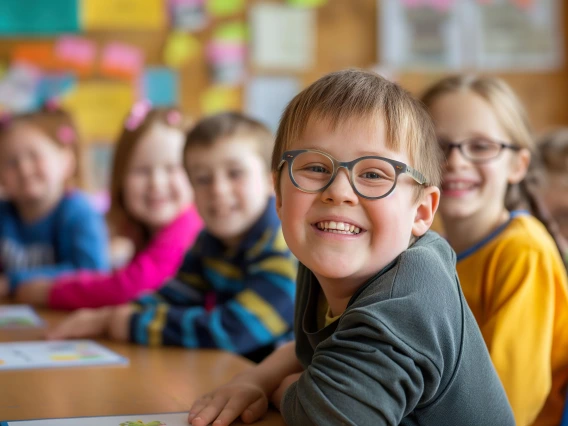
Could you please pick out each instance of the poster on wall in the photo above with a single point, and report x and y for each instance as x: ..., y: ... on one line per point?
x: 517, y: 35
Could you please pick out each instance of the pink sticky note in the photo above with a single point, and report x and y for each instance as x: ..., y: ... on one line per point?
x: 218, y: 52
x: 75, y: 49
x: 412, y: 3
x: 122, y: 60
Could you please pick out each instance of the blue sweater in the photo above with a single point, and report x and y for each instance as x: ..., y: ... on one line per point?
x: 72, y: 236
x: 240, y: 300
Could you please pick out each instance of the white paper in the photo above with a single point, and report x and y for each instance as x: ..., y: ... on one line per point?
x: 19, y: 316
x: 168, y: 419
x: 419, y: 37
x: 510, y: 37
x: 266, y: 98
x: 55, y: 354
x: 283, y: 37
x: 18, y: 88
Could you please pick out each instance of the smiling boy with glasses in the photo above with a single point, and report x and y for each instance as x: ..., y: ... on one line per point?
x: 383, y: 332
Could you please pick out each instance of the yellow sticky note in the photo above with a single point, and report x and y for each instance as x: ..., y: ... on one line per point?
x: 233, y: 31
x: 220, y: 98
x: 225, y: 7
x: 124, y: 14
x: 99, y: 108
x: 180, y: 48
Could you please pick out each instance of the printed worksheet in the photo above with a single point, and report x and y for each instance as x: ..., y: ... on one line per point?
x: 55, y: 354
x: 19, y: 316
x: 166, y: 419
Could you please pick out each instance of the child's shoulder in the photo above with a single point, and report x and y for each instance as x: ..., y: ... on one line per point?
x: 525, y: 233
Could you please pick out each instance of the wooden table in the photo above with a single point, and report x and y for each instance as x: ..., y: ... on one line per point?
x: 157, y: 380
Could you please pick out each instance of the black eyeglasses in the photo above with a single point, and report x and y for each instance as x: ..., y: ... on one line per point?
x: 370, y: 177
x: 476, y: 150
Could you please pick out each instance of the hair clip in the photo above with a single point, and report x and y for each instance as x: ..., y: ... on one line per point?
x: 137, y: 114
x: 173, y: 117
x: 66, y: 135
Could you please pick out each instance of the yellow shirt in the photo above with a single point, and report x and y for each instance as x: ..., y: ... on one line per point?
x: 516, y: 286
x: 324, y: 312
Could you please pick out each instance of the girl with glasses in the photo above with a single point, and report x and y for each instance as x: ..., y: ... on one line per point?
x: 508, y: 264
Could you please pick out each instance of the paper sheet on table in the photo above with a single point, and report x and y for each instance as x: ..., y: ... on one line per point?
x: 124, y: 14
x: 283, y: 37
x: 159, y: 419
x: 19, y: 316
x: 56, y: 354
x: 99, y: 108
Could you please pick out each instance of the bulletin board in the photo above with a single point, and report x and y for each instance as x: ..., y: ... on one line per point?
x: 346, y: 36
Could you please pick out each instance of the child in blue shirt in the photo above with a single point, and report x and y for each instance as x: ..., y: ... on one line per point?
x: 45, y: 229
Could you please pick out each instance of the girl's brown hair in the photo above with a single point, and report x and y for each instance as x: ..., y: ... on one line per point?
x: 514, y: 120
x: 120, y: 222
x: 57, y: 124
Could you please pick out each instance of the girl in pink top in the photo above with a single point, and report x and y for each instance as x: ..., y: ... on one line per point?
x: 151, y: 204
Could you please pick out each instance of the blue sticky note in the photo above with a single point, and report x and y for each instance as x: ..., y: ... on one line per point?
x: 38, y: 17
x: 161, y: 86
x: 54, y: 86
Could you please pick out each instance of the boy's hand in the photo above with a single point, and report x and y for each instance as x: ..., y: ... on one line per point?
x: 83, y: 323
x: 239, y: 397
x: 119, y: 326
x: 276, y: 397
x: 34, y: 292
x: 4, y: 286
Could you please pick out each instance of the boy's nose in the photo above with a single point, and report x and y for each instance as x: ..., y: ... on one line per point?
x: 220, y: 186
x: 340, y: 191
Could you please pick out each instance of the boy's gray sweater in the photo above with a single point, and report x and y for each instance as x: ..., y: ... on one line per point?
x: 406, y: 351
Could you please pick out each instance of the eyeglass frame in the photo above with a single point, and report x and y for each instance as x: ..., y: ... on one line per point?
x: 399, y: 168
x: 459, y: 145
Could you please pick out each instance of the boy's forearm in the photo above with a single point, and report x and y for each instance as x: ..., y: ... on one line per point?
x: 119, y: 322
x: 279, y: 365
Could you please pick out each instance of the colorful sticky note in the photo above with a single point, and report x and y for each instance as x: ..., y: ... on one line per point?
x: 307, y: 3
x: 18, y: 88
x: 38, y: 17
x: 100, y: 107
x: 124, y: 14
x: 225, y: 7
x: 54, y: 86
x: 160, y: 86
x: 75, y: 54
x: 121, y: 60
x: 189, y: 15
x: 180, y: 48
x: 233, y: 31
x: 37, y: 53
x: 220, y: 98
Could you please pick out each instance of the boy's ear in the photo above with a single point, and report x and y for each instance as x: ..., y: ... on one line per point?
x: 277, y: 193
x: 519, y: 166
x: 425, y: 210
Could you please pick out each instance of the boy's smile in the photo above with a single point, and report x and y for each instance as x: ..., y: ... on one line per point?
x: 341, y: 237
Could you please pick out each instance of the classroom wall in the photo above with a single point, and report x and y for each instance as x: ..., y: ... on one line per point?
x: 346, y: 37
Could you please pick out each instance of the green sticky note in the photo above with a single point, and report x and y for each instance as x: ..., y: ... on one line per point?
x: 234, y: 31
x: 307, y: 3
x: 225, y: 7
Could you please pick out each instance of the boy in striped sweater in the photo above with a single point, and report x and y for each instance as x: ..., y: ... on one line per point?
x: 235, y: 289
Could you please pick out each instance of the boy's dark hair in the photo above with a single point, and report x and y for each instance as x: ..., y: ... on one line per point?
x: 212, y: 129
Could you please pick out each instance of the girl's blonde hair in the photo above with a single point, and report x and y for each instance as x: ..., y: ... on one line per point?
x: 120, y: 222
x: 55, y: 123
x: 513, y: 118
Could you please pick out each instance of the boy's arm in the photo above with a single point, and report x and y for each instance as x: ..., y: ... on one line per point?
x: 361, y: 364
x: 248, y: 393
x: 254, y: 318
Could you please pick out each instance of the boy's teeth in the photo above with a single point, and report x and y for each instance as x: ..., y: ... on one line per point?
x: 338, y: 227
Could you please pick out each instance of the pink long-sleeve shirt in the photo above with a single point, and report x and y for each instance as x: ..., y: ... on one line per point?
x: 148, y: 270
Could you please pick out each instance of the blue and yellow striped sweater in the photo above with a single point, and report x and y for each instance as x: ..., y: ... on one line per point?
x: 240, y: 300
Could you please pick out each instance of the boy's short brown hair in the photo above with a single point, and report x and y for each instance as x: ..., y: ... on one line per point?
x: 363, y: 95
x: 212, y: 129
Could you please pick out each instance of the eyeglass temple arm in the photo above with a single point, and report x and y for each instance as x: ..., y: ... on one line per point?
x: 416, y: 175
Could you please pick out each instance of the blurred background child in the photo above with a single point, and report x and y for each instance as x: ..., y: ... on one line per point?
x: 46, y: 227
x: 508, y: 264
x: 151, y: 204
x: 235, y: 288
